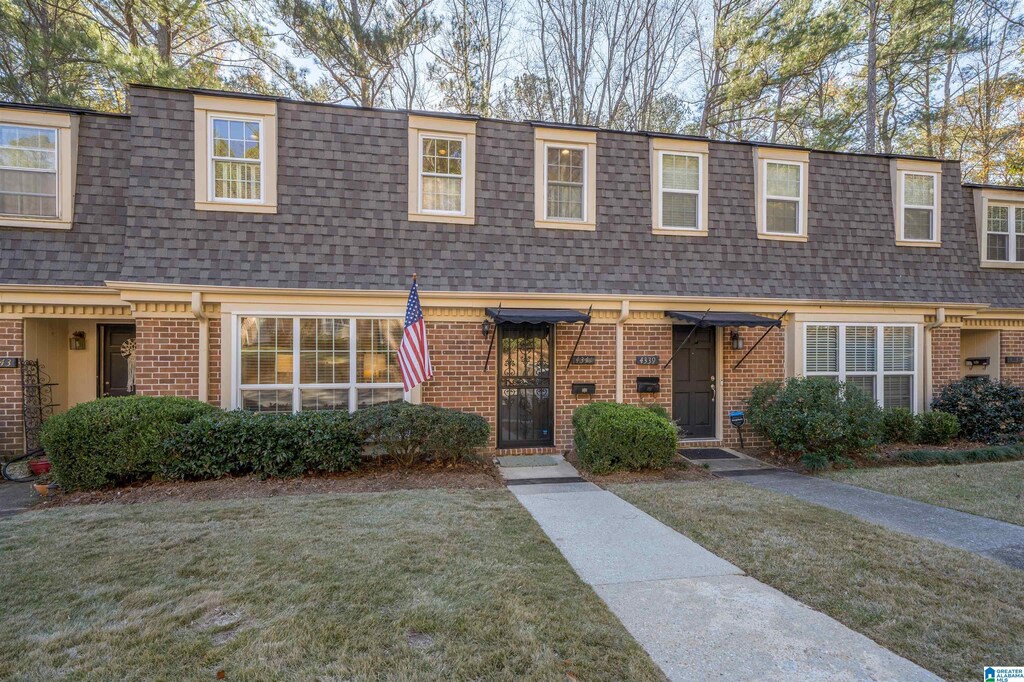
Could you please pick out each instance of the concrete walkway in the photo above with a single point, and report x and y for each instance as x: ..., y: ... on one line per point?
x: 696, y: 614
x: 15, y: 498
x: 997, y: 540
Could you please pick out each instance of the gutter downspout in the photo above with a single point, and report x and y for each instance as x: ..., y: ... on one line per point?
x: 620, y: 344
x: 204, y: 345
x: 940, y: 319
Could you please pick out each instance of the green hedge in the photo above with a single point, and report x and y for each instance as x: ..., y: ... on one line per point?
x: 995, y: 453
x: 611, y: 437
x: 988, y: 411
x: 409, y: 433
x: 936, y: 428
x: 114, y: 440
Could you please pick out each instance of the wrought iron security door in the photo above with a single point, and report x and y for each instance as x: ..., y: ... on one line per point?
x: 525, y: 386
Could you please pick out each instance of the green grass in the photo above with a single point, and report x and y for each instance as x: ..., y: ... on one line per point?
x: 950, y: 611
x: 389, y: 586
x: 995, y: 490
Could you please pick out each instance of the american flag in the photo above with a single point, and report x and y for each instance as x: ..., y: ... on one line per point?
x: 413, y: 356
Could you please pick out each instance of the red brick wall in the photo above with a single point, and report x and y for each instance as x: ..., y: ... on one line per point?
x: 598, y: 340
x: 765, y: 363
x: 12, y: 345
x: 647, y: 339
x: 167, y: 356
x: 213, y: 386
x: 1011, y: 342
x: 945, y: 355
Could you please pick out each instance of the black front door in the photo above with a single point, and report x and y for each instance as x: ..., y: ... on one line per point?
x: 693, y: 382
x: 525, y: 385
x: 117, y: 362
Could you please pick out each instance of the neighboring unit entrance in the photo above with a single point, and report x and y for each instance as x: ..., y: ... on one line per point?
x: 116, y: 361
x: 693, y: 381
x: 525, y: 385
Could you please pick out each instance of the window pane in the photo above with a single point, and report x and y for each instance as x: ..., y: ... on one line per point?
x: 263, y: 400
x: 999, y: 219
x: 377, y: 351
x: 266, y: 349
x: 565, y: 165
x: 324, y: 348
x: 898, y: 344
x: 236, y: 139
x: 680, y: 172
x: 783, y: 180
x: 864, y: 383
x: 237, y: 180
x: 565, y: 201
x: 898, y: 392
x: 565, y: 183
x: 28, y: 178
x: 373, y: 396
x: 998, y: 246
x: 324, y: 399
x: 782, y: 216
x: 918, y: 190
x: 917, y: 223
x: 822, y: 348
x: 861, y: 353
x: 442, y: 194
x: 679, y: 210
x: 442, y: 156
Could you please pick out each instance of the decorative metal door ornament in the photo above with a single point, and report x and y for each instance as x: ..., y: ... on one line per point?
x: 128, y: 353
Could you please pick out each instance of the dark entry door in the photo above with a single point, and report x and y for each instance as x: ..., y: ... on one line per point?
x: 117, y: 344
x: 693, y: 382
x: 525, y: 385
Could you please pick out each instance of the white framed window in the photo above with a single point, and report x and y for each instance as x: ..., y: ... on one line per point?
x: 783, y: 197
x: 29, y: 171
x: 1004, y: 233
x: 565, y: 183
x: 680, y: 190
x: 442, y: 181
x: 919, y: 193
x: 235, y: 154
x: 236, y: 159
x: 324, y: 362
x: 879, y: 359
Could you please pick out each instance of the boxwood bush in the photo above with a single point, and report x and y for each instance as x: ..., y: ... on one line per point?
x: 818, y: 419
x: 408, y: 433
x: 115, y: 440
x: 611, y: 437
x: 936, y: 428
x: 987, y: 411
x: 899, y: 425
x: 280, y: 445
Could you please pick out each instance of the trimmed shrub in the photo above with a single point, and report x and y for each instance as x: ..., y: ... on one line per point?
x: 996, y: 453
x: 899, y: 425
x: 278, y: 445
x: 936, y: 428
x: 988, y: 411
x: 115, y: 440
x: 613, y: 437
x: 818, y: 419
x: 408, y: 433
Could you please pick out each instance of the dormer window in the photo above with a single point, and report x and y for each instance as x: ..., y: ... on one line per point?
x: 1004, y: 233
x: 917, y: 202
x: 237, y: 159
x: 442, y: 169
x: 37, y: 169
x: 781, y: 184
x: 565, y: 178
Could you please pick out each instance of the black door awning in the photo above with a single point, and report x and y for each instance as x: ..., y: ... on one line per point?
x: 711, y: 319
x: 535, y: 315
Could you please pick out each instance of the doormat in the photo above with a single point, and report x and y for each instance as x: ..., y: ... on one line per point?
x: 539, y: 481
x: 528, y: 461
x: 707, y: 453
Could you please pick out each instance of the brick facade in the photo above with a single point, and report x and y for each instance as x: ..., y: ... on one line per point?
x: 647, y: 339
x: 598, y: 340
x: 167, y: 356
x: 945, y: 354
x: 213, y: 390
x: 1011, y: 344
x: 12, y: 345
x: 765, y: 363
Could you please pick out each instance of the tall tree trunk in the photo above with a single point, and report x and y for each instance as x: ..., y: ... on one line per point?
x: 871, y: 112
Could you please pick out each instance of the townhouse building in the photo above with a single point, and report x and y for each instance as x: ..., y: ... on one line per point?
x: 257, y: 252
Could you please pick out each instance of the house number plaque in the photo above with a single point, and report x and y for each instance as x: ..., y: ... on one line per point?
x: 647, y: 359
x: 10, y: 363
x: 584, y: 359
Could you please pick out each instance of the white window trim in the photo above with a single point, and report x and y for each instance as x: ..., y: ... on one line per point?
x: 213, y: 158
x: 879, y: 372
x: 450, y: 128
x: 56, y: 171
x: 352, y: 386
x: 801, y: 223
x: 208, y: 107
x: 662, y: 190
x: 983, y: 198
x: 898, y: 168
x: 1013, y: 258
x: 421, y: 174
x: 661, y: 146
x: 66, y: 126
x: 583, y: 198
x: 933, y: 207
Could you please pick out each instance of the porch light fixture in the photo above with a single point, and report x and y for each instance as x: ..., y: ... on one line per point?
x: 737, y: 341
x: 485, y: 328
x: 77, y: 341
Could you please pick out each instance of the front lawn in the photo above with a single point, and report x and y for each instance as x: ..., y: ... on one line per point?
x: 995, y: 490
x: 947, y: 610
x: 410, y: 585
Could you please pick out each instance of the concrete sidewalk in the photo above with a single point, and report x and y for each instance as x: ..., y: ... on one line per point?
x: 994, y: 539
x: 696, y: 614
x: 15, y: 498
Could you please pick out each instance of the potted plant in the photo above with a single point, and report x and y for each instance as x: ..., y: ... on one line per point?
x: 44, y: 486
x: 39, y: 466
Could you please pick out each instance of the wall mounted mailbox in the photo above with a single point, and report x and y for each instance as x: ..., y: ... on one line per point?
x: 584, y: 389
x: 648, y: 384
x: 977, y: 362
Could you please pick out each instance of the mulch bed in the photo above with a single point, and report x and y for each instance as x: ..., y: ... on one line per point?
x: 882, y: 456
x: 371, y: 478
x: 677, y: 470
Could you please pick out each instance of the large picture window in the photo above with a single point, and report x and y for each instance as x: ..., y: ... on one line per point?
x: 287, y: 364
x: 879, y: 359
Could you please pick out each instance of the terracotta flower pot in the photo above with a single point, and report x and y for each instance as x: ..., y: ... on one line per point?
x: 42, y: 488
x: 39, y: 466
